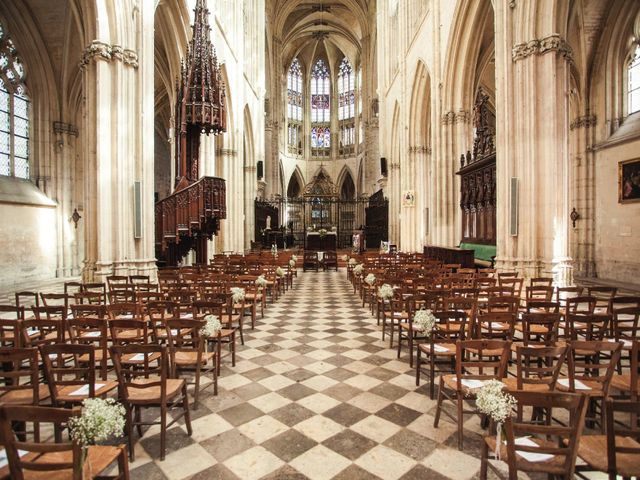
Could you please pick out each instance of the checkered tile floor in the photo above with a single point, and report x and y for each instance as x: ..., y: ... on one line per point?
x: 315, y: 394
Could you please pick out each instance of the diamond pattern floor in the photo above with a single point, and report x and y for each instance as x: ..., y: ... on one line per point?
x: 315, y: 394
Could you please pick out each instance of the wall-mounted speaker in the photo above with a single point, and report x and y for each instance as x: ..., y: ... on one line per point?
x: 383, y: 166
x: 137, y: 209
x: 513, y: 207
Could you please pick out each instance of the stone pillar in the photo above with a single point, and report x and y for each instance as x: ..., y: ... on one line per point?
x: 532, y: 74
x: 118, y: 140
x: 249, y: 206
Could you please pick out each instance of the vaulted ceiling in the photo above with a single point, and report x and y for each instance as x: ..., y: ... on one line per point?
x: 329, y: 29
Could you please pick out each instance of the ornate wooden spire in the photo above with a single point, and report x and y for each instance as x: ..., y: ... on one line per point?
x: 200, y: 106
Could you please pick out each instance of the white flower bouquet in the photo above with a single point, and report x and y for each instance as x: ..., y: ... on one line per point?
x: 292, y: 263
x: 370, y: 279
x: 425, y: 320
x: 358, y: 269
x: 493, y: 401
x: 212, y: 327
x: 353, y: 262
x: 237, y: 294
x: 261, y: 281
x: 279, y: 272
x: 322, y: 232
x: 294, y: 258
x: 100, y: 420
x: 345, y: 258
x: 385, y: 292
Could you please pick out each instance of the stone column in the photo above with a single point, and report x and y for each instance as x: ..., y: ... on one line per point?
x: 118, y: 139
x: 532, y: 74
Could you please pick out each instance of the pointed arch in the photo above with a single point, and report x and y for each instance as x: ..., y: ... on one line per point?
x: 249, y: 145
x: 346, y: 184
x: 420, y: 109
x: 295, y: 186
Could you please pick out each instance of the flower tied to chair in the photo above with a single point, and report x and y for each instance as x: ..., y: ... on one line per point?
x: 385, y: 292
x: 493, y: 401
x: 352, y: 262
x: 292, y: 263
x: 211, y: 327
x: 261, y: 281
x: 279, y: 272
x: 370, y: 279
x: 358, y: 269
x: 237, y: 294
x: 425, y: 320
x: 294, y: 258
x: 100, y: 420
x: 345, y: 258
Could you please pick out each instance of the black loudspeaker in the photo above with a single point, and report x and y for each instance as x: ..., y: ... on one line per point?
x: 260, y: 169
x: 383, y: 166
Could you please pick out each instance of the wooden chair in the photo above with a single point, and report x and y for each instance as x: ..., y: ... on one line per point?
x: 122, y: 293
x: 88, y: 311
x: 42, y: 332
x: 441, y: 345
x: 225, y: 336
x: 95, y: 333
x: 621, y: 443
x: 603, y: 296
x: 116, y: 280
x: 187, y: 351
x: 495, y: 325
x: 310, y: 261
x: 55, y: 461
x: 148, y: 385
x: 515, y: 283
x: 535, y: 448
x: 158, y: 312
x: 538, y: 328
x: 564, y: 293
x: 10, y: 333
x: 629, y: 383
x: 591, y: 365
x: 71, y: 288
x: 72, y: 382
x: 56, y: 300
x: 476, y: 363
x: 88, y: 298
x: 542, y: 281
x: 96, y: 287
x: 27, y: 299
x: 539, y: 292
x: 330, y: 260
x: 586, y: 327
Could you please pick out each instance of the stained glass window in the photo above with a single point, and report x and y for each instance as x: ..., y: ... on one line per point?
x: 294, y: 91
x: 346, y: 91
x: 634, y: 82
x: 320, y: 99
x: 320, y: 137
x: 14, y: 112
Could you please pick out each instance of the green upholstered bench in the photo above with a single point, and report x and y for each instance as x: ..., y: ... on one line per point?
x: 484, y: 255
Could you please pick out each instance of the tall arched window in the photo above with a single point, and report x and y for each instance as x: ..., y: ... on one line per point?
x: 14, y: 112
x: 633, y: 91
x: 320, y: 109
x: 346, y: 106
x: 294, y: 107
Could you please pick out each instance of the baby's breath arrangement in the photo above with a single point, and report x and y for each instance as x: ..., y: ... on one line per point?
x: 237, y: 294
x: 294, y: 258
x: 493, y: 401
x: 358, y: 269
x: 212, y: 327
x: 370, y: 279
x: 100, y: 420
x: 292, y: 263
x: 385, y: 292
x: 345, y: 258
x: 322, y: 232
x: 353, y: 262
x: 261, y: 281
x: 279, y: 272
x: 425, y: 320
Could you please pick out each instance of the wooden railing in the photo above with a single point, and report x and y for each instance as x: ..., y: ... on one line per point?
x: 194, y: 210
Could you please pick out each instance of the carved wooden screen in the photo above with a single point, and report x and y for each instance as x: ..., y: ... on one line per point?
x: 478, y: 179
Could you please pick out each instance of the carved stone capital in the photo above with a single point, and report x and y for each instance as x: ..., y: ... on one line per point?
x: 551, y: 43
x: 583, y: 122
x: 462, y: 116
x: 99, y: 50
x: 448, y: 118
x: 420, y: 149
x: 226, y: 152
x: 61, y: 128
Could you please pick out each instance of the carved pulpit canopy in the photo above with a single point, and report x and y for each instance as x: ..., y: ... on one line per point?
x: 200, y: 99
x: 321, y: 186
x: 202, y: 90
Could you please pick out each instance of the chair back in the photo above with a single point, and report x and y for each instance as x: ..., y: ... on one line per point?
x: 62, y: 460
x: 450, y: 326
x: 128, y: 331
x: 149, y: 373
x: 539, y: 292
x: 626, y: 323
x: 507, y: 304
x: 124, y: 311
x: 55, y: 300
x: 67, y: 368
x: 37, y: 332
x: 495, y: 325
x: 563, y: 293
x: 541, y: 281
x: 20, y: 376
x: 538, y: 366
x: 579, y: 326
x: 539, y: 306
x: 592, y: 363
x: 71, y: 288
x: 540, y: 328
x: 10, y: 333
x: 558, y: 441
x: 27, y: 299
x: 623, y: 447
x: 88, y: 311
x: 92, y: 332
x: 481, y: 360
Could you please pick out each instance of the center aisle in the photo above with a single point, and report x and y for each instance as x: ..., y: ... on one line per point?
x: 315, y: 394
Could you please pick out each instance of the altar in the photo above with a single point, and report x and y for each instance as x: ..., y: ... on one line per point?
x: 317, y: 242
